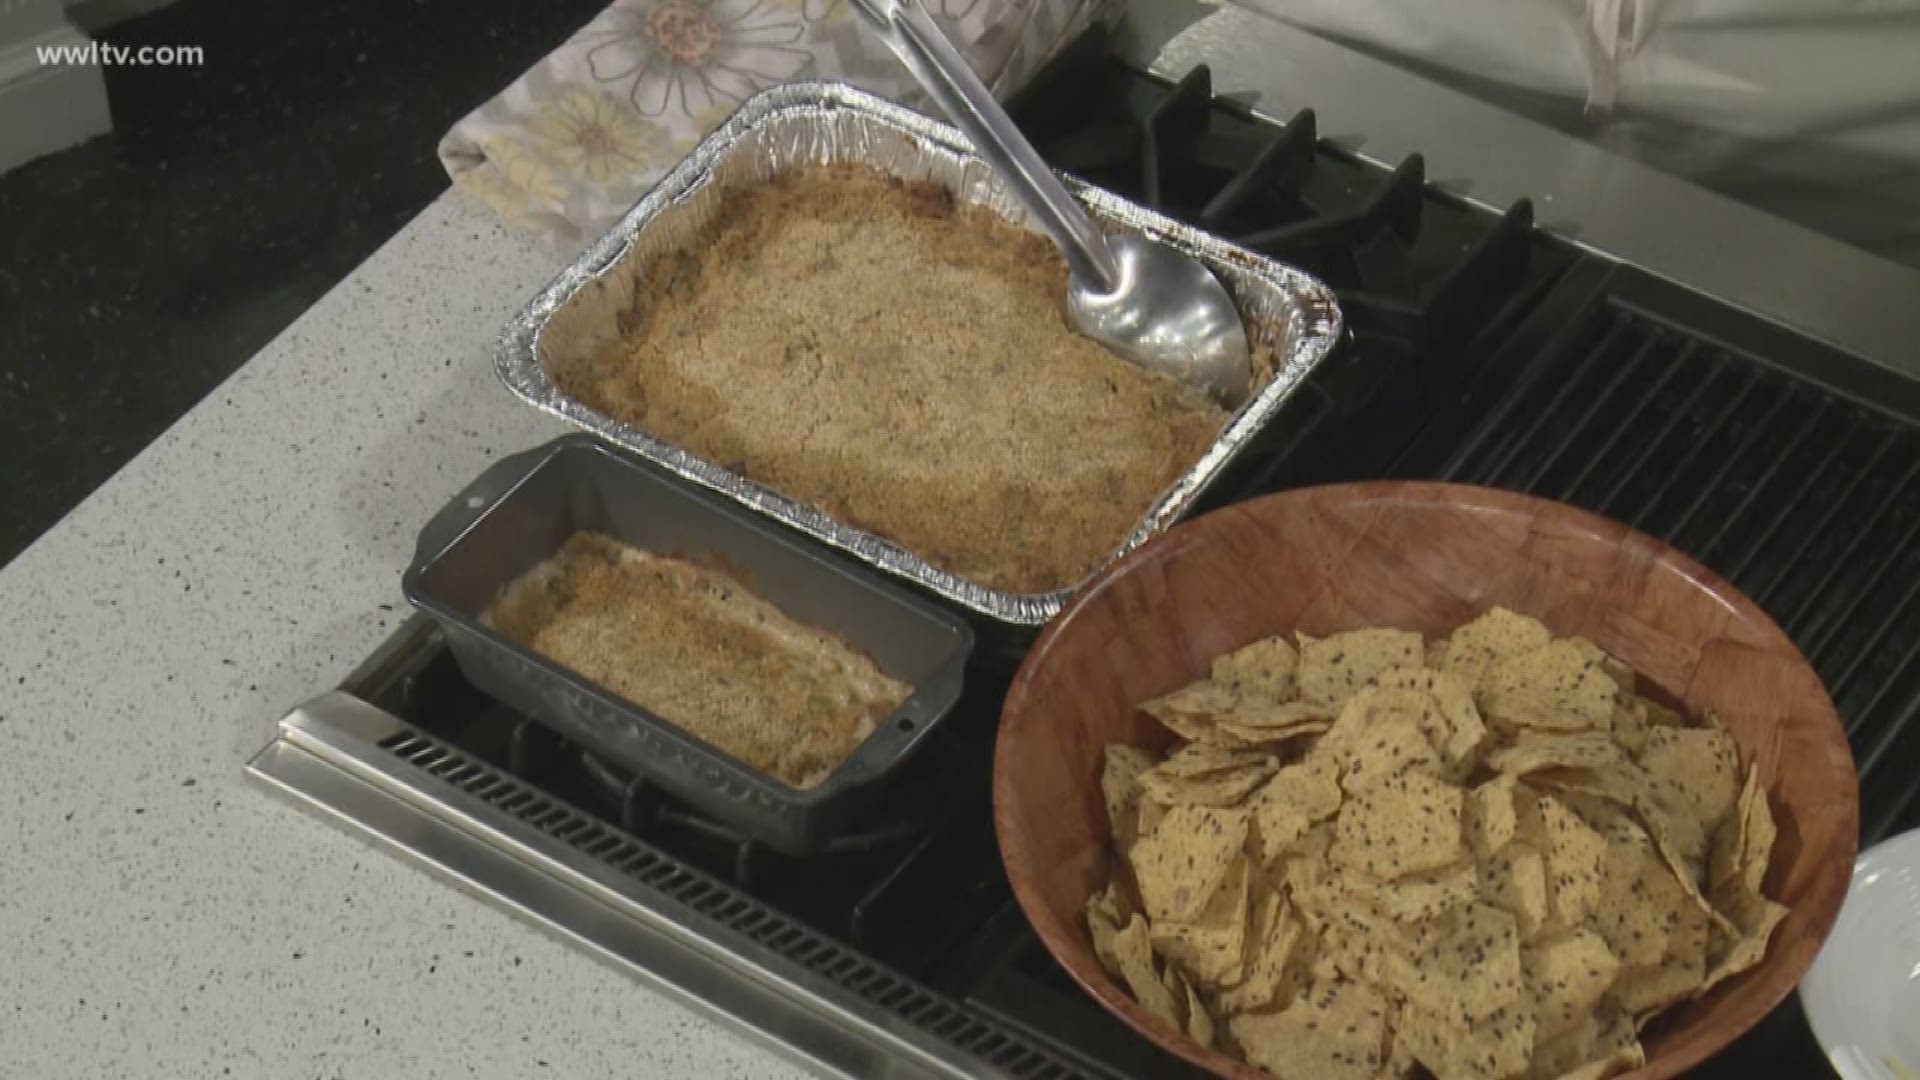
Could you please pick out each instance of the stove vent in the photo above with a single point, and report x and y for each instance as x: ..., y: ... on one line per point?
x: 732, y: 914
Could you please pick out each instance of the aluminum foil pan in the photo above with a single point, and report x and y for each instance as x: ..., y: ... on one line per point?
x: 1288, y: 313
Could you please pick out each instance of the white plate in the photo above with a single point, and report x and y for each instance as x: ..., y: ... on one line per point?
x: 1862, y: 994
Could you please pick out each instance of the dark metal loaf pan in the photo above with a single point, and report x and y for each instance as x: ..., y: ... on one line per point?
x: 521, y: 510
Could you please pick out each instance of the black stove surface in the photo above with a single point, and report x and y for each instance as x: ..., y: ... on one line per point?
x: 1479, y: 350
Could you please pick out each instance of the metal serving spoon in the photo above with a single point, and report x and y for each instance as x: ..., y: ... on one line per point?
x: 1143, y: 300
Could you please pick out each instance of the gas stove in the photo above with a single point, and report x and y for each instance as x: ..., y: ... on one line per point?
x: 1482, y: 349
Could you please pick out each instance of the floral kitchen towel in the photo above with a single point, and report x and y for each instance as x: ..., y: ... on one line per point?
x: 572, y: 144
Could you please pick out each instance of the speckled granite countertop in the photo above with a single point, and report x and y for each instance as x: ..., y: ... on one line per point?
x: 161, y: 917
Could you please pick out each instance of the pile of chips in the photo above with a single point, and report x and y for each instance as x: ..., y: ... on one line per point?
x: 1483, y: 857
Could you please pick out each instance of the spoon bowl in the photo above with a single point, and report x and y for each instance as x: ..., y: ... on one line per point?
x: 1167, y: 312
x: 1147, y: 303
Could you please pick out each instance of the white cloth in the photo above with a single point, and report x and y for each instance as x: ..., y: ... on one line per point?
x: 567, y: 148
x: 1809, y: 109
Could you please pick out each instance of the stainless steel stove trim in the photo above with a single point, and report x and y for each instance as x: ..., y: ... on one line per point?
x: 329, y: 760
x: 1595, y: 198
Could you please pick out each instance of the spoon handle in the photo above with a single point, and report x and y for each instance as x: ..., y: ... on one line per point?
x: 906, y: 28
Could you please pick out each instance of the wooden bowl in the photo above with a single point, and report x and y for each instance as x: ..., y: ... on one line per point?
x: 1426, y: 557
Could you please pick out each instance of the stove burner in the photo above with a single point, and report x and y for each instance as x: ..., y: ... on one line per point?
x: 645, y: 810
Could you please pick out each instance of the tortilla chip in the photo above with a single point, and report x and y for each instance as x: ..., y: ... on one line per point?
x: 1310, y: 786
x: 1120, y: 784
x: 1748, y: 950
x: 1336, y: 1030
x: 1150, y: 815
x: 1400, y: 1064
x: 1467, y: 961
x: 1211, y: 949
x: 1488, y: 816
x: 1271, y: 738
x: 1452, y: 723
x: 1679, y: 837
x: 1133, y: 954
x: 1277, y: 830
x: 1743, y: 846
x: 1266, y: 670
x: 1389, y: 748
x: 1695, y: 770
x: 1401, y: 826
x: 1335, y: 668
x: 1360, y: 941
x: 1555, y: 687
x: 1567, y: 976
x: 1756, y: 844
x: 1726, y: 855
x: 1417, y: 897
x: 1603, y: 814
x: 1195, y: 712
x: 1641, y: 901
x: 1514, y: 879
x: 1622, y: 675
x: 1618, y: 1046
x: 1103, y: 926
x: 1473, y: 648
x: 1266, y: 728
x: 1659, y: 715
x: 1264, y: 725
x: 1574, y: 854
x: 1365, y: 953
x: 1630, y: 725
x: 1289, y: 805
x: 1557, y: 1052
x: 1281, y: 717
x: 1305, y: 875
x: 1314, y: 961
x: 1194, y: 704
x: 1354, y: 723
x: 1228, y: 788
x: 1594, y: 653
x: 1376, y: 708
x: 1642, y: 990
x: 1604, y: 1045
x: 1276, y: 933
x: 1618, y: 1063
x: 1748, y: 915
x: 1661, y: 827
x: 1179, y: 867
x: 1190, y: 727
x: 1490, y: 1048
x: 1115, y: 901
x: 1199, y: 1022
x: 1437, y: 653
x: 1197, y: 760
x: 1178, y: 990
x: 1316, y: 844
x: 1535, y: 750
